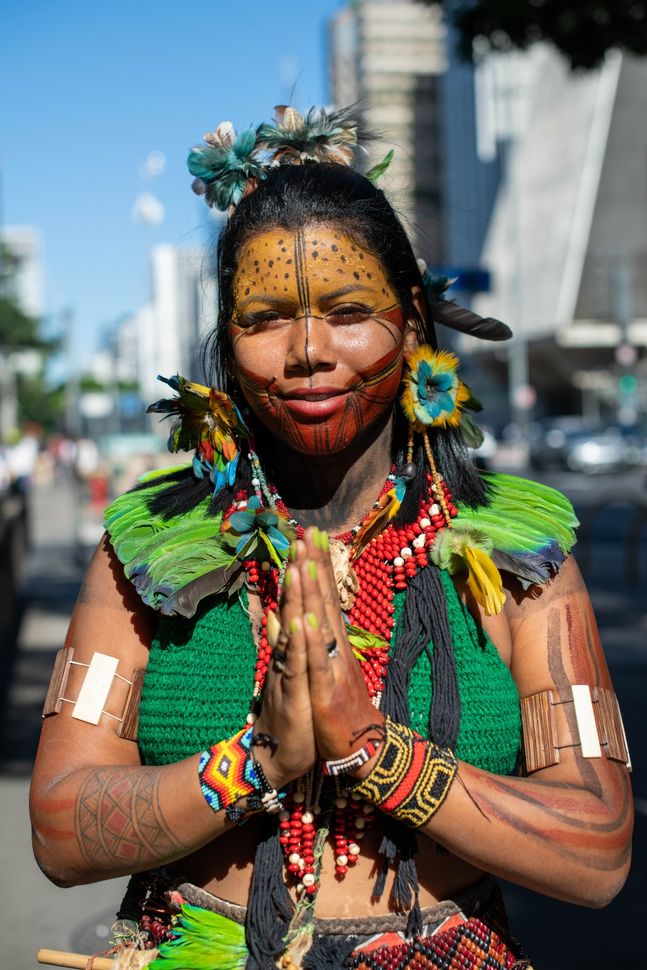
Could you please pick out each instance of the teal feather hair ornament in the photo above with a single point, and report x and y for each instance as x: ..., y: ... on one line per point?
x: 317, y: 136
x: 229, y: 165
x: 226, y: 165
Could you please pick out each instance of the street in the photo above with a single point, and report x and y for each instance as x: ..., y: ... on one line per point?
x: 613, y: 554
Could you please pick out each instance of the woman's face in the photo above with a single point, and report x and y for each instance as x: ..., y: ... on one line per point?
x: 317, y: 336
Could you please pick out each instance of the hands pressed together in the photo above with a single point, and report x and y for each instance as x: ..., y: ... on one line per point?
x: 315, y: 702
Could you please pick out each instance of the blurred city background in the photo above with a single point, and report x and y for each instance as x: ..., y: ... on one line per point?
x: 520, y: 171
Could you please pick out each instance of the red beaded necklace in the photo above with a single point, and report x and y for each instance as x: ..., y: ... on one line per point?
x: 389, y: 561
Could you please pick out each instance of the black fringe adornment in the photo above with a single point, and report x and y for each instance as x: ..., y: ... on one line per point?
x: 329, y: 953
x: 136, y: 890
x: 270, y: 908
x: 424, y: 625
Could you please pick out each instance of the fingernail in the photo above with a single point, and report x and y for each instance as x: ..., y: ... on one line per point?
x: 312, y: 569
x: 292, y: 552
x: 312, y: 621
x: 325, y: 541
x: 294, y: 626
x: 316, y: 538
x: 273, y: 628
x: 287, y: 579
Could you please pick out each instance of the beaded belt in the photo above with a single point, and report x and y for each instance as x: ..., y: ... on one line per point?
x: 472, y: 900
x: 460, y: 944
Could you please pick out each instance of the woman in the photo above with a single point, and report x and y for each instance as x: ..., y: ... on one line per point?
x: 330, y: 747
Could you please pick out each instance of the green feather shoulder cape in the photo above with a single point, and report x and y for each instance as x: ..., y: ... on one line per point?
x: 526, y: 530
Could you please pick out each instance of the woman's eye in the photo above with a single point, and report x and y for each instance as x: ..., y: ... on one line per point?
x: 350, y: 311
x: 260, y: 318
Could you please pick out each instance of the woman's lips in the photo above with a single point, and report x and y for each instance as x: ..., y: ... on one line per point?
x: 315, y: 403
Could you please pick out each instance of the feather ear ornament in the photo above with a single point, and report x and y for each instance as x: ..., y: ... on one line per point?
x: 433, y: 394
x: 207, y: 421
x: 449, y: 314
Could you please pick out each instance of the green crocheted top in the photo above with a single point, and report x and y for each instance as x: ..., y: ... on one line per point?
x: 200, y: 677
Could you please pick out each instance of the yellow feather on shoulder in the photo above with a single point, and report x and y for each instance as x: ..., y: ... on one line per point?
x: 484, y: 580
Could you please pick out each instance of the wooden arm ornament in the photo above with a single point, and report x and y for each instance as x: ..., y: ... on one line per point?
x: 93, y: 695
x: 599, y: 726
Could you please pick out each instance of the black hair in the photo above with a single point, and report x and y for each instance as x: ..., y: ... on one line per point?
x: 296, y: 195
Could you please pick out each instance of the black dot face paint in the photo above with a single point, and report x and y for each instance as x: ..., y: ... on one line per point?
x: 337, y: 326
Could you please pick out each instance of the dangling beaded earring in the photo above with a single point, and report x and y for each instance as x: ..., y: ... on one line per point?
x: 433, y: 396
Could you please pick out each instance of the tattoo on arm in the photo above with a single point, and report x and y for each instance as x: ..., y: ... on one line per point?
x: 119, y: 822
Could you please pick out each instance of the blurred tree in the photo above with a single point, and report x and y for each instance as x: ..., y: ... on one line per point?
x: 88, y: 383
x: 17, y: 330
x: 583, y: 30
x: 40, y: 404
x: 26, y: 353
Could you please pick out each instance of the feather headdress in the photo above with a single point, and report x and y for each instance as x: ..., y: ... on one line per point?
x: 449, y: 314
x: 317, y: 136
x: 225, y: 165
x: 228, y: 165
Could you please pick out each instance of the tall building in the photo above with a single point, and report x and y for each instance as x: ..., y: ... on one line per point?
x: 398, y: 61
x: 24, y: 285
x: 182, y: 309
x: 25, y: 246
x: 388, y: 56
x: 568, y: 238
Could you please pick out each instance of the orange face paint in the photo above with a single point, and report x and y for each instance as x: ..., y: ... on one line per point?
x: 317, y: 336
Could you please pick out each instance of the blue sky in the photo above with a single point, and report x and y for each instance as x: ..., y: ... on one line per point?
x: 90, y: 89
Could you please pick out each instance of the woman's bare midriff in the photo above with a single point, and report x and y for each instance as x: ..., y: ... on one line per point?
x: 224, y: 868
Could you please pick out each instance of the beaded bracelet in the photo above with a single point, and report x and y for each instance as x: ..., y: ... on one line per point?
x: 343, y: 766
x: 228, y: 772
x: 411, y: 777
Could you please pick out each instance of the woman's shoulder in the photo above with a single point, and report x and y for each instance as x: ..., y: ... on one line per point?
x: 526, y: 530
x: 169, y: 548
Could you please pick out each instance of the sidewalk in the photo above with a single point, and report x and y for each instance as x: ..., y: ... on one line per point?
x: 34, y: 912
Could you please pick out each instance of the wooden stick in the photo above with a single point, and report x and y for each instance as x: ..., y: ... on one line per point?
x: 77, y: 961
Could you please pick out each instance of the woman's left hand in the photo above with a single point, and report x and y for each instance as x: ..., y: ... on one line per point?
x: 341, y: 707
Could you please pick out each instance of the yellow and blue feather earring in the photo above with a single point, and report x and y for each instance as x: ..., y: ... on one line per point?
x: 433, y: 396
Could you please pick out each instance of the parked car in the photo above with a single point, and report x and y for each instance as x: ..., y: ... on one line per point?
x: 572, y: 444
x: 550, y: 441
x: 603, y: 451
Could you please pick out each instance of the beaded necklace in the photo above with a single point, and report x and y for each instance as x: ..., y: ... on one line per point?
x: 384, y: 566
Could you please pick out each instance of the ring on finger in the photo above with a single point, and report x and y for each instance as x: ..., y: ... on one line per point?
x: 332, y: 648
x: 278, y: 659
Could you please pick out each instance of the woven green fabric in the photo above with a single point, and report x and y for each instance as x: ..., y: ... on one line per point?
x: 200, y: 674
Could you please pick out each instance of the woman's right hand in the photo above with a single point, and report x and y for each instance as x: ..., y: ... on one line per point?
x: 286, y: 714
